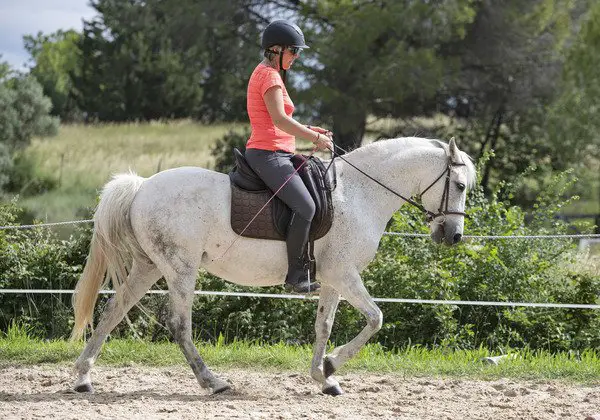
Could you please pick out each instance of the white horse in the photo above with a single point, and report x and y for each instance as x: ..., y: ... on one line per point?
x: 179, y: 220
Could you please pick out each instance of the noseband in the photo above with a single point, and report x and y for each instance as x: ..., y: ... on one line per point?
x: 443, y: 209
x: 431, y: 216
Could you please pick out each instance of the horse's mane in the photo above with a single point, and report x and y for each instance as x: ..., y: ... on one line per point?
x: 390, y: 146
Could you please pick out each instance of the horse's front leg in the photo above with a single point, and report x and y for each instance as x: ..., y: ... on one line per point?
x: 353, y: 290
x: 328, y: 303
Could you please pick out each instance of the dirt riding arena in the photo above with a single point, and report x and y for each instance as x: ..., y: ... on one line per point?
x: 161, y: 393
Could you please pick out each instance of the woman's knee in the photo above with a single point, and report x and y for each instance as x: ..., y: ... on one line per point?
x: 307, y: 209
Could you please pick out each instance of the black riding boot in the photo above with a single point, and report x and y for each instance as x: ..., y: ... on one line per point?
x: 297, y: 236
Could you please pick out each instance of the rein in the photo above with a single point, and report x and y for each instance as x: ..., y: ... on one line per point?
x: 431, y: 216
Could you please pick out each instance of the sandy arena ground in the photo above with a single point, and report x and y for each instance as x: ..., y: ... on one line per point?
x: 173, y: 393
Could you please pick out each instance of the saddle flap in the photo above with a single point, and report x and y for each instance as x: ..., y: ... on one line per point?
x: 314, y: 176
x: 243, y: 175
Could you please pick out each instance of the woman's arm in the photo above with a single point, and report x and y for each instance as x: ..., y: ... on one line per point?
x: 274, y: 101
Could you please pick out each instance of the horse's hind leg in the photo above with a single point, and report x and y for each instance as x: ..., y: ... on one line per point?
x: 328, y: 303
x: 141, y: 277
x: 181, y: 294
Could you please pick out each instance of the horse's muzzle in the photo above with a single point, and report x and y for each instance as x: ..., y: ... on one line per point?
x: 438, y: 235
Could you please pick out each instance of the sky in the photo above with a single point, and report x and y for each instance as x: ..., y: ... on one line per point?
x: 28, y: 17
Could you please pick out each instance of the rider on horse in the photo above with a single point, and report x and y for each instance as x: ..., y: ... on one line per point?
x: 273, y: 141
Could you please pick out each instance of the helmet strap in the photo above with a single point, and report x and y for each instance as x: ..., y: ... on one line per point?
x: 283, y: 72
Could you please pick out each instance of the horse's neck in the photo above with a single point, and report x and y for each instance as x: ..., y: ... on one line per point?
x: 404, y: 172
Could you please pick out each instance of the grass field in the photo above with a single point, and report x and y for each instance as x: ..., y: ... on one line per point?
x: 83, y: 158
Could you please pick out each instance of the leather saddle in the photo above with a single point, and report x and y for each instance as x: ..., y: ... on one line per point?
x: 249, y: 194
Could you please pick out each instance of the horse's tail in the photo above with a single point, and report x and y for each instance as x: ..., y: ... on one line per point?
x: 111, y: 251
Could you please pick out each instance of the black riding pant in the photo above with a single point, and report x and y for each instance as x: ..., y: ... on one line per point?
x: 275, y: 168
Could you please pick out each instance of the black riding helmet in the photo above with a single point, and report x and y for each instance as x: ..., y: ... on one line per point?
x: 284, y: 33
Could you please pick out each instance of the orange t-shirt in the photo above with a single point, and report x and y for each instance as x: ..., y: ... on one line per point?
x: 264, y: 134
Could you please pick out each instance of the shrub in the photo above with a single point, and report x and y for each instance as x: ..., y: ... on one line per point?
x: 24, y: 113
x: 222, y: 150
x: 22, y: 179
x: 37, y: 259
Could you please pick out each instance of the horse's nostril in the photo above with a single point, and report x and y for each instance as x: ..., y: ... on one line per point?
x: 457, y: 238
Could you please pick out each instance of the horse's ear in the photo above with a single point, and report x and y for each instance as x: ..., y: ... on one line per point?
x: 454, y: 152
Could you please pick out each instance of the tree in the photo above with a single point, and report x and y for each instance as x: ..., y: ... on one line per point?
x: 166, y: 59
x: 510, y: 63
x: 379, y: 58
x: 24, y: 113
x: 131, y: 69
x: 499, y: 61
x: 4, y: 69
x: 56, y: 60
x: 574, y: 116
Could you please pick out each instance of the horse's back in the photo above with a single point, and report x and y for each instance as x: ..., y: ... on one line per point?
x: 184, y: 183
x: 184, y: 200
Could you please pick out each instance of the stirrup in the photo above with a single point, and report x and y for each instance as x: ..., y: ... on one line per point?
x: 303, y: 287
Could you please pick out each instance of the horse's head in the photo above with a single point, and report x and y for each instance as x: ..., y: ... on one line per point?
x: 444, y: 198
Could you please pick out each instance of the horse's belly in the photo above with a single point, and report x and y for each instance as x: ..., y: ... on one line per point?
x: 247, y: 262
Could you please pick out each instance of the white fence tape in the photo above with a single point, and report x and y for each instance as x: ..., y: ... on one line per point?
x: 306, y: 297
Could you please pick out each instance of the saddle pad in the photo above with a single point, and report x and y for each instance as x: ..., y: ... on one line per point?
x: 272, y: 222
x: 246, y: 204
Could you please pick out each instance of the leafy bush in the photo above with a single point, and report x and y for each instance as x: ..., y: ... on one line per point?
x: 22, y: 179
x: 222, y: 150
x: 24, y: 113
x: 37, y: 259
x: 516, y: 270
x: 6, y: 165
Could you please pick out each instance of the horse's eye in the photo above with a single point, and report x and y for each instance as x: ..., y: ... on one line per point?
x: 461, y: 186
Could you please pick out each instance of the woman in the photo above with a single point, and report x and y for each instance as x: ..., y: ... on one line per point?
x: 273, y: 141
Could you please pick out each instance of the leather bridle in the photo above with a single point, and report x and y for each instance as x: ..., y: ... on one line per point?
x: 443, y: 209
x: 431, y: 216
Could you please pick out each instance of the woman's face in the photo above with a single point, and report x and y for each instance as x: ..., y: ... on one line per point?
x: 289, y: 55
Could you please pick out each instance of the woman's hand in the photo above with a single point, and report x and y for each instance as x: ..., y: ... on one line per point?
x: 318, y: 129
x: 324, y: 141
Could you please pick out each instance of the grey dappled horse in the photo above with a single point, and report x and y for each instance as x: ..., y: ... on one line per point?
x: 179, y: 220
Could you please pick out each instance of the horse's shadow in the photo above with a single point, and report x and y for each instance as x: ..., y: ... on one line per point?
x: 112, y: 397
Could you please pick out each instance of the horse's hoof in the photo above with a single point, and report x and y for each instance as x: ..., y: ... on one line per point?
x: 85, y: 388
x: 334, y: 390
x: 328, y: 368
x: 222, y: 387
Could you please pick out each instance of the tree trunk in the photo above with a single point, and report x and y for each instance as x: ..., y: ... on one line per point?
x: 485, y: 179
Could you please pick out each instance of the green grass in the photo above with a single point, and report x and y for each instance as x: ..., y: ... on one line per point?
x: 83, y: 158
x: 17, y: 348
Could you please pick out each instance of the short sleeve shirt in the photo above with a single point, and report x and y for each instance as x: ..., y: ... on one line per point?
x: 264, y: 134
